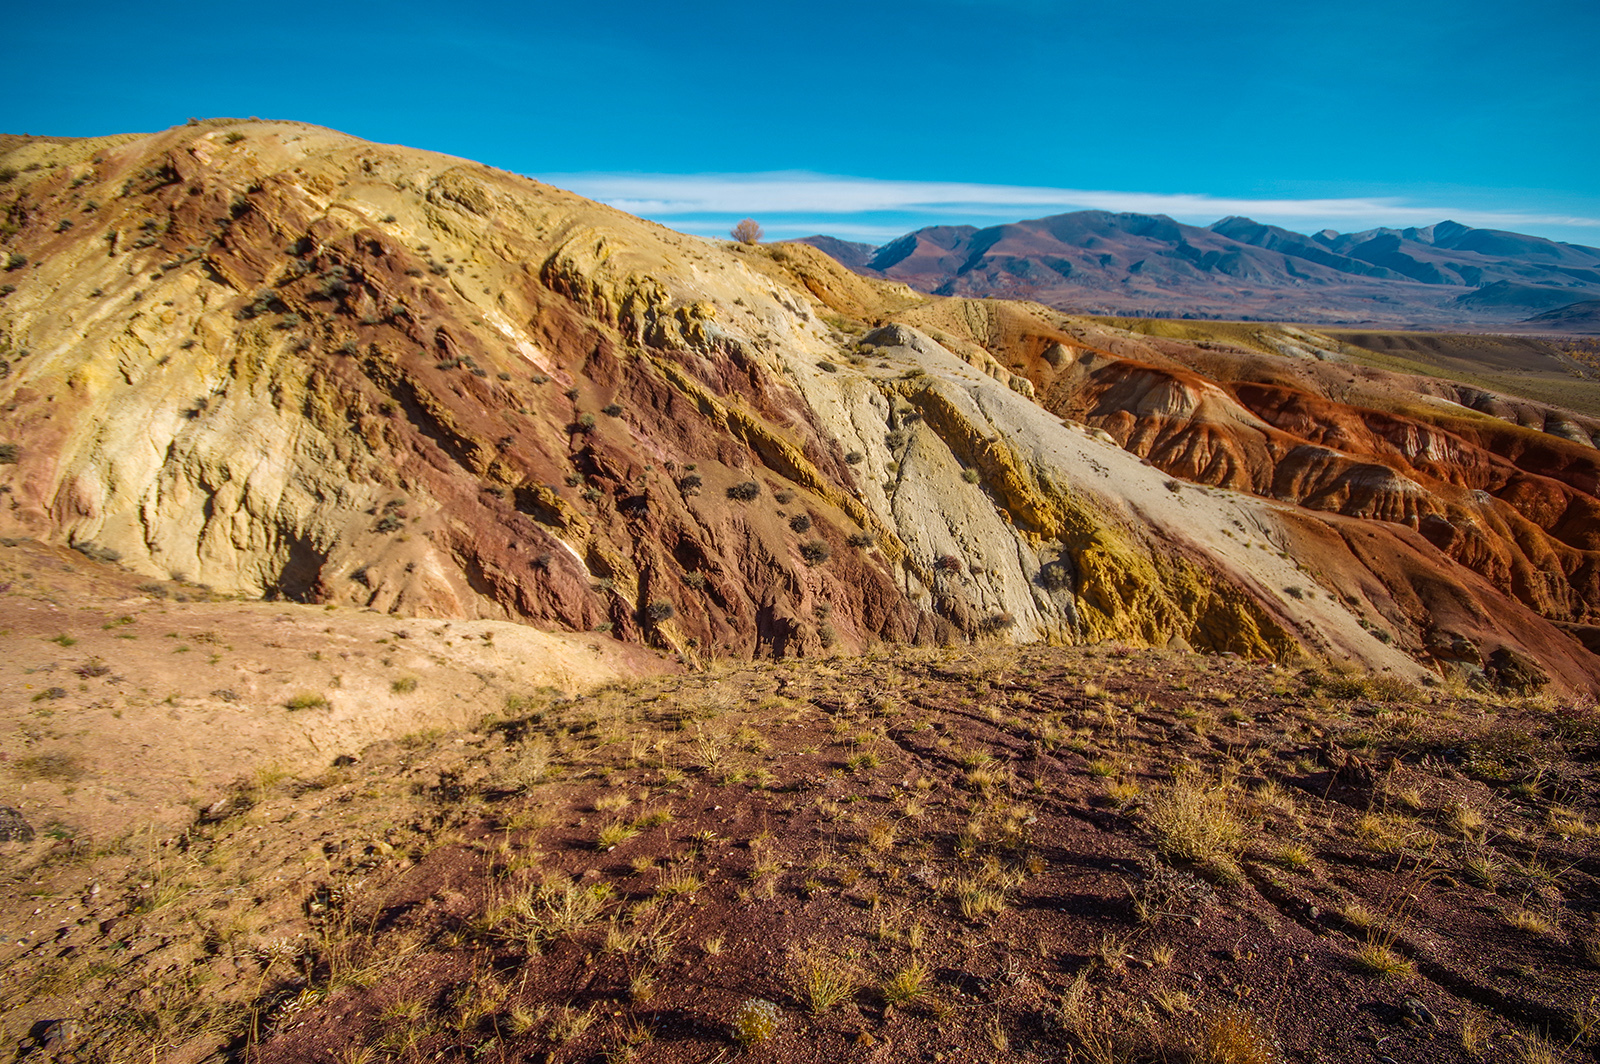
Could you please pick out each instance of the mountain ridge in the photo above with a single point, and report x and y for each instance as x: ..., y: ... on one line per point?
x: 1236, y: 268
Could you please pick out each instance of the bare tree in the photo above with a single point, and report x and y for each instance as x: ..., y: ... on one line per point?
x: 746, y: 232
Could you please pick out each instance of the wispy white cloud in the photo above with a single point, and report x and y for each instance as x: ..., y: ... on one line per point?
x: 830, y: 199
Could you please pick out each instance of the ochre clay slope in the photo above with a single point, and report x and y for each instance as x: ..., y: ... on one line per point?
x: 283, y: 362
x: 1441, y: 477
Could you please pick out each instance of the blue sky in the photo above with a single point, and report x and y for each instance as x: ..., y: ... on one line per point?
x: 866, y: 118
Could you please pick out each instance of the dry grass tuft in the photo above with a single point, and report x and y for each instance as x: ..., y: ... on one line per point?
x: 1528, y: 921
x: 1375, y: 958
x: 907, y: 984
x: 1234, y: 1036
x: 1192, y: 819
x: 826, y: 981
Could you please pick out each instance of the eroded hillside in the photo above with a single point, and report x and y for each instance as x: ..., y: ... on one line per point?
x: 280, y: 361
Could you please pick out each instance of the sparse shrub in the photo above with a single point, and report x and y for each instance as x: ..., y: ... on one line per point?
x: 1294, y: 857
x: 861, y: 541
x: 854, y: 457
x: 783, y: 496
x: 947, y: 563
x: 657, y: 612
x: 1348, y: 686
x: 755, y: 1020
x: 90, y: 549
x: 971, y: 476
x: 748, y: 231
x: 976, y: 896
x: 1295, y: 592
x: 895, y: 440
x: 614, y: 834
x: 744, y: 491
x: 1530, y: 922
x: 1055, y: 576
x: 404, y: 685
x: 1482, y: 871
x: 998, y: 622
x: 815, y: 552
x: 691, y: 482
x: 16, y: 261
x: 611, y: 410
x: 57, y: 767
x: 800, y: 522
x: 1394, y: 689
x: 827, y: 367
x: 306, y: 700
x: 679, y: 883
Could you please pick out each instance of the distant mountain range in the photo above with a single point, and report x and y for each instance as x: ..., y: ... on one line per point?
x: 1150, y: 265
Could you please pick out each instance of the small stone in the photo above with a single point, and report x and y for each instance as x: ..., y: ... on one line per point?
x: 60, y: 1035
x: 12, y: 827
x: 1417, y: 1010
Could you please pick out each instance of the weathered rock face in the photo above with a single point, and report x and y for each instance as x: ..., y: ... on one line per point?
x: 284, y: 362
x: 1508, y: 494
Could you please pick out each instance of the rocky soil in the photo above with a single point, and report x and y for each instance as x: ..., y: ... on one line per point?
x: 960, y: 854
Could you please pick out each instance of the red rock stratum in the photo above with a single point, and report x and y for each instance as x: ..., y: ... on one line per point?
x: 284, y: 362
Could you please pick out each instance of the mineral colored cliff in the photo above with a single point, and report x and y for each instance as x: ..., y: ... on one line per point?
x: 284, y: 362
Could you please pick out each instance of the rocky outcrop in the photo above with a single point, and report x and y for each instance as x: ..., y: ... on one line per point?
x: 283, y: 362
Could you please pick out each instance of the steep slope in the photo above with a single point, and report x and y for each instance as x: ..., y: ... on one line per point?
x: 1100, y: 262
x: 1387, y: 475
x: 280, y: 361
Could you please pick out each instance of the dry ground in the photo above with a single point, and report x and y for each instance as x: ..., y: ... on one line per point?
x: 127, y: 702
x: 950, y: 855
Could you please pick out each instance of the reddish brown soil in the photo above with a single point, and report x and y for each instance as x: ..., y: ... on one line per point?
x: 829, y: 814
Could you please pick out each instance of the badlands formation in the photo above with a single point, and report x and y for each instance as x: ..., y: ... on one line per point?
x: 448, y: 619
x: 282, y: 362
